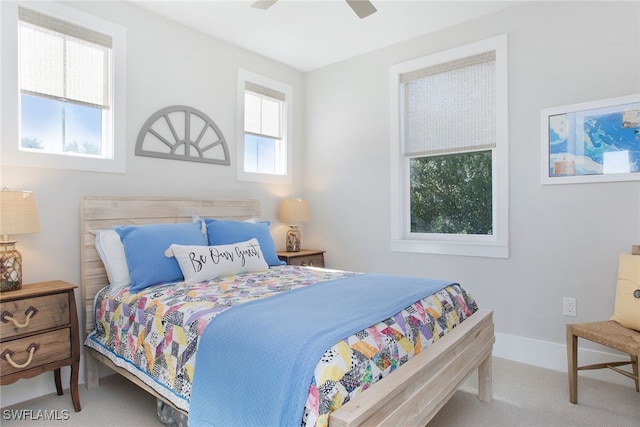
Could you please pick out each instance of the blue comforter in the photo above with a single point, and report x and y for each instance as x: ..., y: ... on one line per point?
x: 255, y: 362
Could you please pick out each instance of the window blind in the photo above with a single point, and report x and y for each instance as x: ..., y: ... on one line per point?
x: 63, y: 61
x: 263, y: 111
x: 450, y: 107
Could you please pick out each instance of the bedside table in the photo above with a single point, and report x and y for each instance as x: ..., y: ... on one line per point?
x: 39, y: 333
x: 305, y: 257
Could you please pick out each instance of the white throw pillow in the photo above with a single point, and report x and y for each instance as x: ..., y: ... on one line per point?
x: 111, y: 251
x: 204, y: 263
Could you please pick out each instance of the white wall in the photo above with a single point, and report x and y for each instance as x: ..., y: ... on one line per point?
x: 564, y: 239
x: 167, y: 64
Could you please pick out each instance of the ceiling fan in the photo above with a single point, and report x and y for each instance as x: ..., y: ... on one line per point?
x: 362, y: 8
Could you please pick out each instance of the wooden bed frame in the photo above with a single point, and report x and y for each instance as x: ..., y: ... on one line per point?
x: 412, y: 395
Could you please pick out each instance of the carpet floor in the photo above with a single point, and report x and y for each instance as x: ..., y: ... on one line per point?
x: 523, y: 395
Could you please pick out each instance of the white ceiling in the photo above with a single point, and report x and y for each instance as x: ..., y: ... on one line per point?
x: 309, y: 34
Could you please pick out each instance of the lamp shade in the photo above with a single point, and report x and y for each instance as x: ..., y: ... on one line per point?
x: 18, y: 213
x: 294, y: 211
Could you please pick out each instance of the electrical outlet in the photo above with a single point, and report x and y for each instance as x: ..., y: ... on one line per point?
x: 569, y: 307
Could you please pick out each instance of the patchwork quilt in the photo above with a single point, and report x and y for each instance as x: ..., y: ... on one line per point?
x: 155, y: 334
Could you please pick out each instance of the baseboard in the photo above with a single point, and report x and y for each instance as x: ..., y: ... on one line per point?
x: 553, y: 356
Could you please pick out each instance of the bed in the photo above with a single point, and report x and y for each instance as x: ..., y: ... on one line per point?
x: 410, y: 395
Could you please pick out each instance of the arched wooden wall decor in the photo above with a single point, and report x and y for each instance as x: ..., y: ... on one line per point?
x: 182, y: 133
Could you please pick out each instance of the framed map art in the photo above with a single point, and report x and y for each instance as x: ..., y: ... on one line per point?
x: 592, y: 142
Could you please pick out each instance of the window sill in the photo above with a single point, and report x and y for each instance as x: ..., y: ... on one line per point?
x: 477, y: 249
x: 264, y: 178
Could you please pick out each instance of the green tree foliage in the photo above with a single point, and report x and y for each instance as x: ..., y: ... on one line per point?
x: 29, y: 142
x: 71, y: 147
x: 86, y: 148
x: 91, y: 148
x: 452, y: 194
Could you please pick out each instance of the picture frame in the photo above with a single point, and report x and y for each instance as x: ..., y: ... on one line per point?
x: 591, y: 142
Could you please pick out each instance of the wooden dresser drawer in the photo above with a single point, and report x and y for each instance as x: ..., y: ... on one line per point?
x: 303, y: 257
x: 48, y: 311
x: 51, y: 347
x: 309, y: 261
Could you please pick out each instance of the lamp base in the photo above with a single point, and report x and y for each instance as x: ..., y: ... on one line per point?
x: 10, y: 267
x: 293, y: 239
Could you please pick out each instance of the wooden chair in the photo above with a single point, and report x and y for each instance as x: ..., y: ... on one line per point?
x: 608, y: 333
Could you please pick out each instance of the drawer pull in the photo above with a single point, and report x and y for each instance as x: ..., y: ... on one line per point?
x: 8, y: 317
x: 6, y: 355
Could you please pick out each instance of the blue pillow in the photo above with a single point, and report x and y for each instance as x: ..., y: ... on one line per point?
x: 225, y: 232
x: 144, y: 247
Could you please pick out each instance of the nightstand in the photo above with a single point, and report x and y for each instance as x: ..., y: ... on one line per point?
x: 305, y: 257
x: 39, y: 333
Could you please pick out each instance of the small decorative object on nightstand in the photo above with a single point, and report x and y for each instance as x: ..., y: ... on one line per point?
x: 18, y: 215
x: 293, y: 212
x: 303, y: 257
x: 39, y: 333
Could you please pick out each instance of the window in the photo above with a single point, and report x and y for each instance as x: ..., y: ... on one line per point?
x: 264, y: 147
x: 449, y: 156
x: 69, y: 114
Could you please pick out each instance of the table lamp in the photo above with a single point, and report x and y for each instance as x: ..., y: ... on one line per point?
x: 293, y: 212
x: 18, y: 215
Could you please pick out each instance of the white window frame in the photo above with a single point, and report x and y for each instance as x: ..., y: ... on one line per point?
x: 402, y: 240
x: 10, y: 154
x: 287, y: 126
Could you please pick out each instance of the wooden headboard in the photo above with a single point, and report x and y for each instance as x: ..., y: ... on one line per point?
x: 100, y: 213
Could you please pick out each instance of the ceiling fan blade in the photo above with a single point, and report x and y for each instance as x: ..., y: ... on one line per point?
x: 362, y: 8
x: 263, y: 4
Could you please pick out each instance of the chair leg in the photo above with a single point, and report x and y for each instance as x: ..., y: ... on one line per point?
x: 572, y: 362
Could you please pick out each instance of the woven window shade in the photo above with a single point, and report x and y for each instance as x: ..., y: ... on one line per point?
x: 63, y: 61
x: 450, y: 107
x: 263, y: 111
